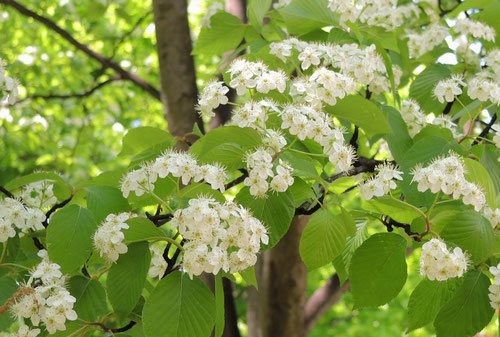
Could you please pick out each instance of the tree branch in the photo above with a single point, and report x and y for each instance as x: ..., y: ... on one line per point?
x: 105, y: 61
x: 84, y: 94
x: 322, y: 300
x: 7, y: 192
x: 486, y: 130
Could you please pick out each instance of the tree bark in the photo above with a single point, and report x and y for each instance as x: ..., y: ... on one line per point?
x: 177, y: 74
x: 282, y: 288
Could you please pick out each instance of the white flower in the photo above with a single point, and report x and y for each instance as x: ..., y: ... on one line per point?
x: 382, y: 183
x: 25, y: 331
x: 213, y: 95
x: 158, y: 263
x: 228, y: 240
x: 446, y: 174
x: 448, y: 89
x: 438, y: 263
x: 494, y: 289
x: 476, y: 29
x: 211, y: 11
x: 108, y: 238
x: 282, y: 49
x: 309, y: 57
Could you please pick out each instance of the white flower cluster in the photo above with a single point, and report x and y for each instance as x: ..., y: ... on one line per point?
x: 108, y: 238
x: 475, y: 29
x: 364, y: 65
x: 219, y: 236
x: 484, y: 90
x: 49, y: 303
x: 213, y: 95
x: 180, y: 165
x: 246, y: 75
x: 8, y: 86
x: 306, y: 122
x: 438, y: 263
x: 494, y: 288
x: 448, y: 89
x: 260, y: 168
x: 382, y: 13
x: 323, y: 86
x: 25, y: 331
x: 382, y: 183
x: 158, y: 264
x: 496, y: 137
x: 211, y: 11
x: 413, y: 116
x: 427, y: 40
x: 253, y: 114
x: 492, y: 60
x: 13, y: 214
x: 446, y: 174
x: 38, y: 194
x: 493, y: 216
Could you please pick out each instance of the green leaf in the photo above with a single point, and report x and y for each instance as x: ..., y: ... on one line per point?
x: 90, y: 298
x: 470, y: 231
x: 225, y: 33
x: 256, y: 10
x: 422, y: 152
x: 302, y: 164
x: 426, y: 300
x: 361, y: 112
x: 476, y: 173
x: 179, y: 307
x: 422, y: 88
x: 127, y: 277
x: 249, y: 277
x: 9, y: 287
x: 142, y: 138
x: 340, y: 36
x: 378, y: 270
x: 323, y: 239
x: 219, y: 306
x: 468, y: 311
x: 396, y: 209
x: 301, y: 192
x: 226, y: 145
x: 61, y: 189
x: 398, y: 139
x: 276, y: 211
x: 69, y: 237
x: 488, y: 154
x: 303, y: 16
x: 141, y: 229
x: 104, y: 200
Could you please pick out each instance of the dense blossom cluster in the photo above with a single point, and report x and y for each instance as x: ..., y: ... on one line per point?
x: 475, y: 29
x: 423, y: 42
x: 158, y: 264
x: 246, y: 75
x: 39, y: 194
x: 484, y: 89
x: 494, y: 288
x: 212, y: 96
x: 108, y: 238
x: 178, y: 164
x: 8, y: 86
x: 382, y: 183
x: 218, y: 236
x: 382, y: 13
x: 446, y: 174
x: 49, y: 302
x: 416, y: 120
x: 438, y: 263
x: 306, y: 122
x: 446, y: 90
x: 260, y: 168
x: 15, y: 215
x: 364, y: 65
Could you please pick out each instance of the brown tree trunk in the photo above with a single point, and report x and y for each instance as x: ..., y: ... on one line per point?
x: 177, y: 73
x: 282, y: 289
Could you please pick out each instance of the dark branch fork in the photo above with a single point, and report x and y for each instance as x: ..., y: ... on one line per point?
x: 103, y: 60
